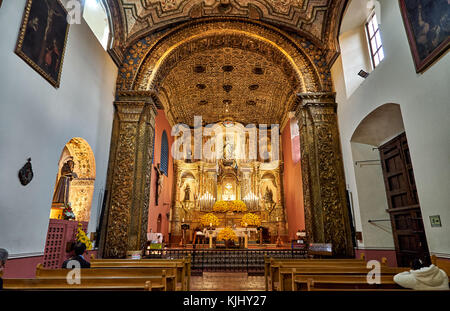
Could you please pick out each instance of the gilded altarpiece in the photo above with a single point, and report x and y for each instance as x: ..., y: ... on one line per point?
x: 256, y: 182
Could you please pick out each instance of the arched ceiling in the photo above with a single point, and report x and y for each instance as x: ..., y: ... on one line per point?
x: 226, y: 84
x: 317, y: 20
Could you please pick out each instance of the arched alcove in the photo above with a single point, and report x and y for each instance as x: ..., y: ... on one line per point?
x: 81, y: 185
x: 254, y: 73
x: 379, y: 126
x: 388, y: 202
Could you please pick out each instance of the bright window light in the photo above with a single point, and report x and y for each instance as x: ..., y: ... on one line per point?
x: 375, y: 43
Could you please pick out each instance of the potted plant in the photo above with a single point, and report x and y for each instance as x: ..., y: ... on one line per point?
x: 228, y: 236
x: 250, y: 220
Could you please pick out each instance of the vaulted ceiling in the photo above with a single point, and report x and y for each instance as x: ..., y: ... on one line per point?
x: 317, y: 20
x: 227, y: 84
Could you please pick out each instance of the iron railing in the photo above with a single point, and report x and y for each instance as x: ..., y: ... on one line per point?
x: 229, y: 260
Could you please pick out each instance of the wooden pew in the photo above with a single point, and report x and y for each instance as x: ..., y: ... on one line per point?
x: 343, y: 282
x: 150, y: 274
x: 136, y: 284
x: 272, y: 266
x: 287, y: 275
x: 183, y: 266
x: 441, y: 263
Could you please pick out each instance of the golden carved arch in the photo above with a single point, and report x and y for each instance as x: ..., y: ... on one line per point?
x: 150, y: 59
x: 139, y: 85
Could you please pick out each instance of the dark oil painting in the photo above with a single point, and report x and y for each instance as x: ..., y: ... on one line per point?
x: 427, y: 24
x: 43, y: 36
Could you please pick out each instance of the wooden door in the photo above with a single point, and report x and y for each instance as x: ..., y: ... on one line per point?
x: 404, y: 208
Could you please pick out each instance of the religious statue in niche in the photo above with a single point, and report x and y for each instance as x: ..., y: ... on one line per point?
x: 187, y: 193
x: 268, y: 200
x: 26, y: 172
x: 268, y: 196
x: 61, y: 194
x: 159, y: 183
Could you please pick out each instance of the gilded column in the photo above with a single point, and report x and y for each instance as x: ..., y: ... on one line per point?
x: 130, y: 170
x: 325, y: 202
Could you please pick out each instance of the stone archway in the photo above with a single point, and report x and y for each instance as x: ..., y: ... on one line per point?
x: 139, y: 90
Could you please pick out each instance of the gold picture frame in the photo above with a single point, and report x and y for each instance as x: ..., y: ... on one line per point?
x: 424, y: 23
x: 43, y: 37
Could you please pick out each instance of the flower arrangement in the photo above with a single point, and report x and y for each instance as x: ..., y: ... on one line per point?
x: 239, y: 206
x: 229, y: 206
x: 227, y: 234
x: 209, y: 220
x: 250, y: 219
x: 68, y: 213
x: 220, y: 206
x: 83, y: 238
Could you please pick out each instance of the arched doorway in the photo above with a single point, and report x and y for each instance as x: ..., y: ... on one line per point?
x: 225, y: 51
x: 389, y: 207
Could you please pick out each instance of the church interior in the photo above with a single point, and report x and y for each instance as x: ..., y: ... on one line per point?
x: 201, y: 145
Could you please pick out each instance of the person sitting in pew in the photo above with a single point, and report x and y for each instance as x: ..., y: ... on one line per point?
x: 423, y: 278
x: 3, y: 259
x: 79, y: 250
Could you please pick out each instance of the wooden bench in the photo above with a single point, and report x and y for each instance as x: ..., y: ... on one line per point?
x: 272, y: 266
x: 182, y: 266
x: 135, y: 284
x: 343, y: 282
x: 287, y: 275
x: 149, y: 274
x: 441, y: 263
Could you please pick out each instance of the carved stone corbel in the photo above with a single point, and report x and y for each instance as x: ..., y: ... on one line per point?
x: 325, y: 201
x: 126, y: 215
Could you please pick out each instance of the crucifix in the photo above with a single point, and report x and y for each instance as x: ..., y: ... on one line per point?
x: 47, y: 49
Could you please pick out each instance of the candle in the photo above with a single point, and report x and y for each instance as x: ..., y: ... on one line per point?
x: 210, y: 224
x: 182, y: 220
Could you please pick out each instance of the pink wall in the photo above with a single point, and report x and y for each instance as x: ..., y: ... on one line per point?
x: 292, y: 182
x: 165, y: 198
x: 22, y: 268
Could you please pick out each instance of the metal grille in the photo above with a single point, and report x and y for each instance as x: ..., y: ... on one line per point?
x: 250, y: 261
x: 54, y: 246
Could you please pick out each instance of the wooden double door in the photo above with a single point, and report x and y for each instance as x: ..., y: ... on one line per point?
x: 404, y: 208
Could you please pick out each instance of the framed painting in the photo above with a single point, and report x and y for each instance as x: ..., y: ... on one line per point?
x: 427, y: 24
x: 42, y: 38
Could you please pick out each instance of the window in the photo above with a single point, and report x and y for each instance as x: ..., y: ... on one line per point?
x: 375, y: 44
x: 96, y: 17
x: 164, y: 166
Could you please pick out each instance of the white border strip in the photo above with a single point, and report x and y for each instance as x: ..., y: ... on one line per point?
x: 441, y: 255
x: 25, y: 255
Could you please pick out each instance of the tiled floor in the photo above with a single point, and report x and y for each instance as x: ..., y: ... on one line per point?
x: 227, y: 281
